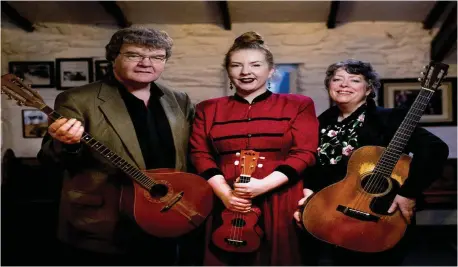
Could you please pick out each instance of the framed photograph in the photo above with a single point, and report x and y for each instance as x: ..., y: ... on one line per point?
x: 443, y: 191
x: 40, y: 74
x: 34, y: 123
x: 441, y: 109
x: 101, y: 69
x: 73, y: 72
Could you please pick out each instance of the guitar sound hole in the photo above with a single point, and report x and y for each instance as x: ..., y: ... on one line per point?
x: 375, y: 185
x: 158, y: 190
x: 238, y: 222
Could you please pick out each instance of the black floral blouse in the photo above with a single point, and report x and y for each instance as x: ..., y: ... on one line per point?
x: 340, y: 139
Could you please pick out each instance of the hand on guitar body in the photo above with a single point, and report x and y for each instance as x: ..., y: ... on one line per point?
x: 67, y: 131
x: 300, y: 205
x: 405, y: 205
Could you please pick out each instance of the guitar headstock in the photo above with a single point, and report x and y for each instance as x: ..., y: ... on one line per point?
x: 248, y: 160
x: 433, y: 75
x: 15, y: 89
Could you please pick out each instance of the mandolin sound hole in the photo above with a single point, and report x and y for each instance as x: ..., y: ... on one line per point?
x: 238, y: 222
x: 158, y: 190
x: 375, y: 184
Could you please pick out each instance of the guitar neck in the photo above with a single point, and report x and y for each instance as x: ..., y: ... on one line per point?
x: 108, y: 154
x: 393, y: 152
x: 244, y: 178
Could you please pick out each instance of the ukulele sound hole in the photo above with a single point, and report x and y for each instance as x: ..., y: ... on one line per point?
x: 158, y: 190
x: 238, y: 222
x: 375, y: 184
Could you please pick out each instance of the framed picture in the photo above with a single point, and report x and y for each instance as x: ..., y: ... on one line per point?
x: 40, y: 74
x: 284, y: 80
x: 34, y: 123
x: 443, y: 191
x: 441, y: 109
x: 73, y: 72
x: 101, y: 69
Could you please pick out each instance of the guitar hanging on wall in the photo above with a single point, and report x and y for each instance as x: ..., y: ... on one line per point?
x: 352, y: 213
x: 163, y: 202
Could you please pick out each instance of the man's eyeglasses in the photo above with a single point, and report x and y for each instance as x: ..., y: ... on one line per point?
x: 137, y: 57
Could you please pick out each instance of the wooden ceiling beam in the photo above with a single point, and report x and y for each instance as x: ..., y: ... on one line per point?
x: 332, y: 17
x: 434, y: 15
x: 114, y: 10
x: 444, y: 41
x: 16, y: 18
x: 224, y: 10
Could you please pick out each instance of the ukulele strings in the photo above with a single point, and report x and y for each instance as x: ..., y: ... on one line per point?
x: 377, y: 179
x: 237, y: 216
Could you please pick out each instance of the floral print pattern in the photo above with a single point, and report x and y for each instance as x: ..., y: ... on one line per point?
x: 340, y: 139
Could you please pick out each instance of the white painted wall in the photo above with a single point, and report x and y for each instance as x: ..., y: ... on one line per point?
x: 396, y: 49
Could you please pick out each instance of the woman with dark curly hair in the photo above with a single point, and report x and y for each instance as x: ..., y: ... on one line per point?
x: 355, y: 121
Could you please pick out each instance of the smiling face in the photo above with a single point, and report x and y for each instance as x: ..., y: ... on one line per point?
x: 129, y: 70
x: 348, y: 89
x: 249, y: 70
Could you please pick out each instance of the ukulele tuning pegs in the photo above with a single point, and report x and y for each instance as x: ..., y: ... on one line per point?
x: 260, y: 165
x: 236, y: 162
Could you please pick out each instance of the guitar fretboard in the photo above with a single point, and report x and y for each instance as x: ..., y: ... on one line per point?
x: 393, y: 152
x: 108, y: 154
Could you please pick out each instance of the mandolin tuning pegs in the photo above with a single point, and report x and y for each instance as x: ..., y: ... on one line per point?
x: 260, y: 165
x: 236, y: 162
x: 262, y: 157
x: 237, y: 154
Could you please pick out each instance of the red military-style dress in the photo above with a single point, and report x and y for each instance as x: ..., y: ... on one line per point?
x: 284, y: 129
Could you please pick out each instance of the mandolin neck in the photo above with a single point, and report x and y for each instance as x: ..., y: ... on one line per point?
x: 108, y: 154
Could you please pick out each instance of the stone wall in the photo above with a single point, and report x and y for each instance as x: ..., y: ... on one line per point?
x: 396, y: 50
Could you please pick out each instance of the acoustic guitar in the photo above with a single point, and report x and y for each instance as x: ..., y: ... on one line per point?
x: 353, y: 213
x: 240, y: 231
x: 163, y: 202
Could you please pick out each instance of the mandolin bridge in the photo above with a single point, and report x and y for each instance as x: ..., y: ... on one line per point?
x: 360, y: 215
x: 234, y: 242
x: 174, y: 200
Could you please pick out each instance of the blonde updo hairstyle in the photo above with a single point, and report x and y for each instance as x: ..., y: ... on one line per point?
x: 249, y: 40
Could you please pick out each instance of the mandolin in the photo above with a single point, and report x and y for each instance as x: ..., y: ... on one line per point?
x: 163, y: 202
x: 240, y: 231
x: 353, y: 213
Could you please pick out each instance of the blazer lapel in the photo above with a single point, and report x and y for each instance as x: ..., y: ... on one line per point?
x: 176, y: 121
x: 116, y: 112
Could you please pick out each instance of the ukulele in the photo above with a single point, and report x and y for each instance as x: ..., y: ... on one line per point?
x: 353, y: 213
x: 163, y: 202
x: 239, y: 231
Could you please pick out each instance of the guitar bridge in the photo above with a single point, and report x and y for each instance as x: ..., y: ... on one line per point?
x: 173, y: 202
x: 360, y: 215
x: 234, y: 242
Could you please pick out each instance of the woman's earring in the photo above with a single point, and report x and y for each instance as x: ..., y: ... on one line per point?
x: 268, y: 85
x: 230, y: 86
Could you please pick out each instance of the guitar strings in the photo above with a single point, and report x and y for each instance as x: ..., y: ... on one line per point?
x: 404, y: 133
x: 377, y: 179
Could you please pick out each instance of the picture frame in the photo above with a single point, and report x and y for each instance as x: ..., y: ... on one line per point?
x: 442, y: 193
x: 441, y: 110
x: 39, y: 74
x: 34, y: 123
x: 101, y: 69
x: 73, y: 72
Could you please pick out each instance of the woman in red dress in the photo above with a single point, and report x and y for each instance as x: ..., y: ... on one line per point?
x: 283, y: 128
